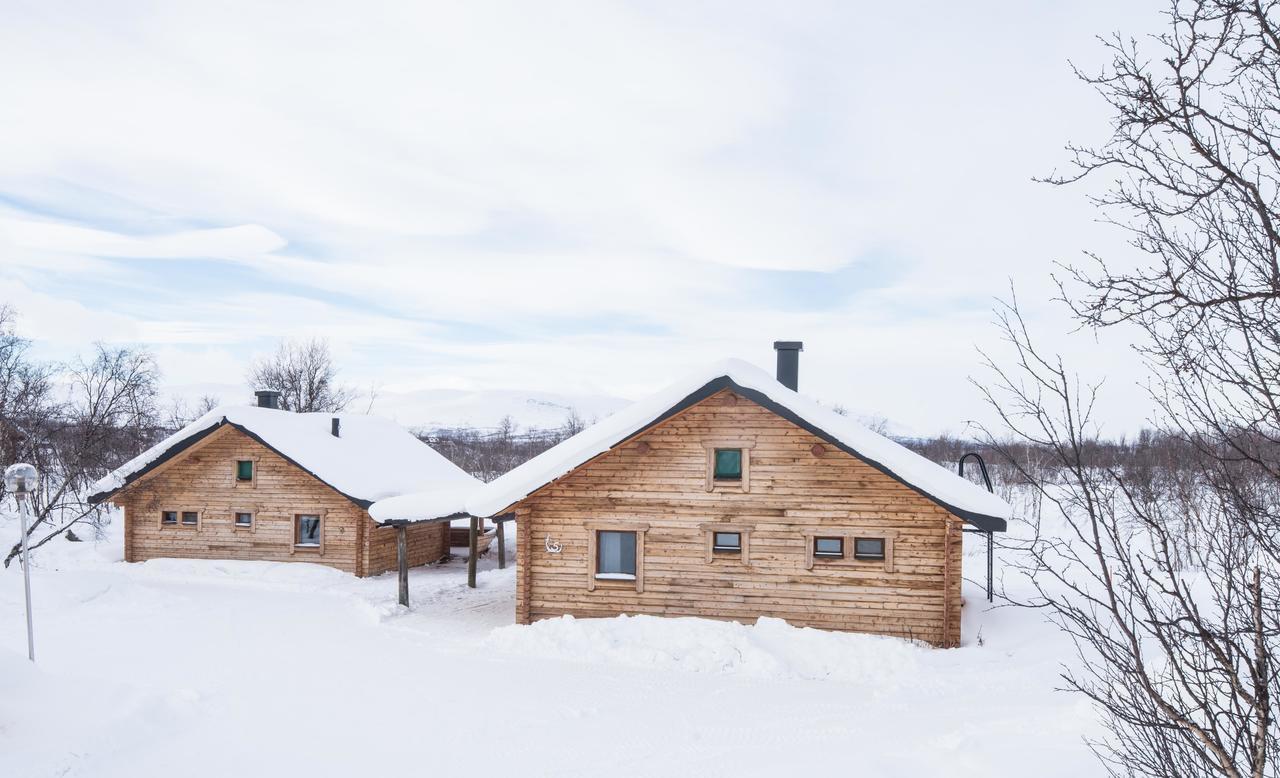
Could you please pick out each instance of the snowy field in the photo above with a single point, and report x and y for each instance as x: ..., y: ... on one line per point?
x: 263, y: 669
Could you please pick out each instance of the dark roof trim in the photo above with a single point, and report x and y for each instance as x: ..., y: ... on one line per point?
x: 181, y: 446
x: 408, y: 522
x: 979, y: 520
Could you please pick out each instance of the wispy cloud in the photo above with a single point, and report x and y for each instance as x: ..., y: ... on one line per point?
x: 564, y: 196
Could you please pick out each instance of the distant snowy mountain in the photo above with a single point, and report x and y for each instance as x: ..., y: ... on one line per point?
x: 434, y: 408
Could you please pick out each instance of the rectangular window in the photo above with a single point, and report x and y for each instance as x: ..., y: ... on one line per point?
x: 308, y: 531
x: 831, y: 548
x: 190, y: 518
x: 615, y: 555
x: 244, y: 519
x: 868, y: 548
x: 728, y: 465
x: 244, y: 470
x: 168, y: 517
x: 727, y: 543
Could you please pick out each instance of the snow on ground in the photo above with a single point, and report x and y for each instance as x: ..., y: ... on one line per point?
x: 176, y: 667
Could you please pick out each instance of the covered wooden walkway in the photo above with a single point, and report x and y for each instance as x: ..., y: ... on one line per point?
x: 473, y: 545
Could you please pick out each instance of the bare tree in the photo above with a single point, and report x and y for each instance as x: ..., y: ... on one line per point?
x: 110, y: 417
x: 487, y: 454
x: 27, y: 405
x: 304, y: 374
x: 1176, y: 638
x: 180, y: 412
x: 1170, y: 583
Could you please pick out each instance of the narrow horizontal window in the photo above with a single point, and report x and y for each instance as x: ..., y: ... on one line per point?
x: 244, y: 470
x: 728, y: 464
x: 168, y: 517
x: 829, y: 547
x: 727, y: 543
x: 615, y: 554
x: 868, y: 548
x: 244, y: 519
x: 307, y: 531
x: 190, y: 517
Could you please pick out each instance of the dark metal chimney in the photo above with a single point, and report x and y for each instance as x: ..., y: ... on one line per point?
x: 334, y: 426
x: 789, y: 362
x: 268, y: 398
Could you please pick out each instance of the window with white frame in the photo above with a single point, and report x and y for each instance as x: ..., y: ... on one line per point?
x: 615, y: 554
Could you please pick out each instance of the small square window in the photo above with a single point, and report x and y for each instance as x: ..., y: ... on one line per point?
x: 244, y: 519
x: 727, y: 543
x: 244, y: 470
x: 868, y: 548
x: 728, y: 464
x: 615, y: 554
x: 832, y: 548
x: 168, y: 517
x: 190, y: 518
x: 307, y: 531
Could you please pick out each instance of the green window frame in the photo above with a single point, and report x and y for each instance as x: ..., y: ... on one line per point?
x: 244, y: 469
x: 728, y: 464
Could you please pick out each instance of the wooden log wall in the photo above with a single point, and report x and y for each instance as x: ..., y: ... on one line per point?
x: 799, y: 486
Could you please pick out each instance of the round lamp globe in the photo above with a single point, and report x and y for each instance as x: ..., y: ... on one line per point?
x: 20, y: 478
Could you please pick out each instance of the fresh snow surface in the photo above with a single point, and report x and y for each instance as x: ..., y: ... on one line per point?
x: 372, y: 457
x: 258, y: 669
x: 916, y: 470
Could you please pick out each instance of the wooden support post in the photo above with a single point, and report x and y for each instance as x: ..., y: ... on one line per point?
x: 402, y: 561
x: 502, y: 546
x: 471, y: 552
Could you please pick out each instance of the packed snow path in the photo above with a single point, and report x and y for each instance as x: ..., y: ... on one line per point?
x: 258, y: 669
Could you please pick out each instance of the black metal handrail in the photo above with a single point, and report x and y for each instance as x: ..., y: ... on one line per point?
x: 991, y: 541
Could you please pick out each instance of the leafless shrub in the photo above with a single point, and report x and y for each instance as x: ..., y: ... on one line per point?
x: 487, y: 454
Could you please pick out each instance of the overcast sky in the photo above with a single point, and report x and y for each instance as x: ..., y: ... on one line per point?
x: 566, y: 197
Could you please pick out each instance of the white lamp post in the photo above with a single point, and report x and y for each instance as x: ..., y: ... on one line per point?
x: 21, y: 479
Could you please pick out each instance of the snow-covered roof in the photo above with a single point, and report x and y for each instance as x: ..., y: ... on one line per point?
x: 370, y: 459
x: 419, y: 506
x: 962, y: 497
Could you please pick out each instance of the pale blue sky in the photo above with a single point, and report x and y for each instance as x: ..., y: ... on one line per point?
x: 565, y: 197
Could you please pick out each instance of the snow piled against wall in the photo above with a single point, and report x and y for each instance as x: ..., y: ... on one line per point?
x: 771, y: 648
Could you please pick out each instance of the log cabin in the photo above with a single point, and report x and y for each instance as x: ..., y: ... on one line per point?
x: 260, y: 483
x: 731, y: 496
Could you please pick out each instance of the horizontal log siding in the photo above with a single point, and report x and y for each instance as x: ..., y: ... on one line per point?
x: 203, y: 479
x: 791, y: 491
x: 427, y: 543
